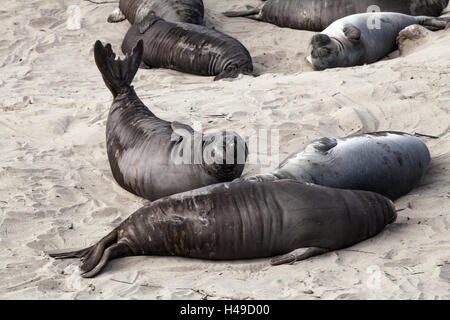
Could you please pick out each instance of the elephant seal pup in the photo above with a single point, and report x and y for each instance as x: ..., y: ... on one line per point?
x: 316, y: 15
x: 389, y: 163
x: 190, y: 11
x: 242, y: 221
x: 362, y: 38
x: 151, y: 157
x: 188, y: 48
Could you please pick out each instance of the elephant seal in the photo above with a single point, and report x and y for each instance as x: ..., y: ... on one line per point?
x: 188, y: 48
x: 316, y: 15
x: 242, y: 221
x: 190, y: 11
x: 362, y: 38
x: 151, y: 157
x: 389, y: 163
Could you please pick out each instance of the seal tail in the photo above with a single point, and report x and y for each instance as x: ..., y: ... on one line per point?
x: 117, y: 74
x: 95, y: 257
x: 233, y: 14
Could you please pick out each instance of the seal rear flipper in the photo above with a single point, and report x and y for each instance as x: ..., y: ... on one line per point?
x: 297, y: 255
x: 249, y: 12
x: 116, y: 16
x: 58, y: 254
x: 117, y: 74
x: 117, y: 250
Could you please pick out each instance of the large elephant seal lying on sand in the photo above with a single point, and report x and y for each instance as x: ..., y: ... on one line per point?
x: 243, y: 220
x: 151, y: 157
x: 190, y: 11
x: 389, y: 163
x: 362, y: 38
x: 188, y: 48
x: 316, y: 15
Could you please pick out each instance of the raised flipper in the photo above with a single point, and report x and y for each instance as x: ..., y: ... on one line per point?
x: 116, y: 16
x: 297, y: 255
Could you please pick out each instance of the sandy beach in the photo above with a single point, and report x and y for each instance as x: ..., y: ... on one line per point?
x: 57, y: 190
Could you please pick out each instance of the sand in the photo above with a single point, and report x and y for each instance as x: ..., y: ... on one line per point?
x: 57, y: 191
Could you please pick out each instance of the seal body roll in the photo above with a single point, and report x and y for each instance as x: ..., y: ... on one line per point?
x: 242, y: 220
x: 151, y: 157
x: 188, y: 48
x: 389, y: 163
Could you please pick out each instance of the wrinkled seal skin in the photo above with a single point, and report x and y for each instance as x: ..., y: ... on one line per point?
x: 145, y: 152
x: 389, y: 163
x: 350, y: 42
x: 316, y: 15
x: 190, y: 11
x: 244, y: 220
x: 188, y: 48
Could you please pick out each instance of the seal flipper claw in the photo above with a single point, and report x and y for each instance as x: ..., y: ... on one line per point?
x: 297, y: 255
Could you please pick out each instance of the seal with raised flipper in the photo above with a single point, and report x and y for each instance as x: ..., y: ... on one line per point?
x: 190, y: 11
x: 151, y: 157
x: 363, y: 38
x: 316, y: 15
x: 243, y: 220
x: 389, y: 163
x: 188, y: 48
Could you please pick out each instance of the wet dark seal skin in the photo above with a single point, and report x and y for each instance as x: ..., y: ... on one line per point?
x: 244, y: 220
x: 389, y: 163
x: 363, y: 38
x: 151, y: 157
x: 188, y: 48
x: 189, y: 11
x: 316, y: 15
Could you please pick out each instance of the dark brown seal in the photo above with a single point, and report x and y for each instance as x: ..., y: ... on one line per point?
x: 316, y: 15
x: 190, y: 11
x: 151, y: 157
x: 188, y: 48
x: 243, y: 220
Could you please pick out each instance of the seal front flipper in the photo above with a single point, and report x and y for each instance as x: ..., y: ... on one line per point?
x: 297, y: 255
x: 116, y: 16
x: 351, y: 32
x: 324, y: 145
x: 180, y: 130
x: 117, y: 74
